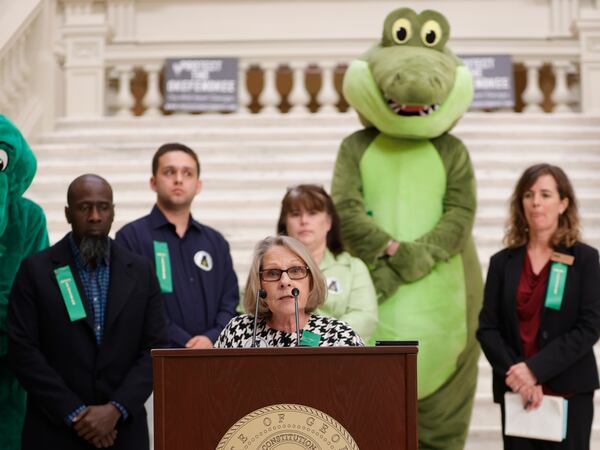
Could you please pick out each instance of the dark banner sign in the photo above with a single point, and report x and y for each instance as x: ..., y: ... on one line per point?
x: 493, y: 81
x: 201, y: 84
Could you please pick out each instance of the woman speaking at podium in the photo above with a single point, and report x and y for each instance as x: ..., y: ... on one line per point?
x: 541, y: 312
x: 284, y: 287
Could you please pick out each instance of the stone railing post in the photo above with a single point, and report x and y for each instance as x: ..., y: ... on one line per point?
x: 561, y: 95
x: 533, y: 96
x: 574, y: 88
x: 269, y: 97
x: 244, y: 97
x: 327, y: 96
x: 299, y: 97
x: 152, y: 99
x: 125, y: 100
x: 84, y: 34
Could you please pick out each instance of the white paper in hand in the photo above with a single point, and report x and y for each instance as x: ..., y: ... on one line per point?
x: 548, y: 422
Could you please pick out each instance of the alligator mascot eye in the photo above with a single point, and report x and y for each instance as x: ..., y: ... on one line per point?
x: 22, y: 232
x: 404, y: 178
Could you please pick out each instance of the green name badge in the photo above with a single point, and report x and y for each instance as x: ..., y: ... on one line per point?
x: 163, y: 266
x: 70, y: 293
x: 556, y: 285
x: 310, y: 339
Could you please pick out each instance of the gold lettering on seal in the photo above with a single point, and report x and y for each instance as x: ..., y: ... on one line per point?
x: 287, y: 426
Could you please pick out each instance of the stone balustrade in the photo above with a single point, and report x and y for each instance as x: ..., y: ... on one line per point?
x: 548, y: 86
x: 85, y: 59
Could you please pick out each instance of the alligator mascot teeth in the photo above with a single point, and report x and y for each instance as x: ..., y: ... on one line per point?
x: 22, y: 232
x: 404, y: 178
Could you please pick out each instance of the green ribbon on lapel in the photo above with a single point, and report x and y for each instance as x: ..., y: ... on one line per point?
x: 163, y: 266
x: 70, y: 293
x: 556, y: 285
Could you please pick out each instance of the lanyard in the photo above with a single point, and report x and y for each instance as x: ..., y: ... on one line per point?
x: 70, y: 293
x: 163, y: 266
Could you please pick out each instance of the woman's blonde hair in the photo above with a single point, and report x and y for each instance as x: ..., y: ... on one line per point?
x: 517, y: 229
x: 318, y: 289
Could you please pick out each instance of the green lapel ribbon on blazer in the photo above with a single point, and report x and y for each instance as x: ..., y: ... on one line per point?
x: 556, y: 285
x: 70, y: 293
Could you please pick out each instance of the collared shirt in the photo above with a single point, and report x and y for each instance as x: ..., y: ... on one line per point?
x: 204, y: 285
x: 95, y: 281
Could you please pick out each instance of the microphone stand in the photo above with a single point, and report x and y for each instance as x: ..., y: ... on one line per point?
x: 261, y: 293
x: 295, y: 293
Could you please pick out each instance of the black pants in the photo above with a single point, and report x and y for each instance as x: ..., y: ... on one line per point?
x: 579, y: 428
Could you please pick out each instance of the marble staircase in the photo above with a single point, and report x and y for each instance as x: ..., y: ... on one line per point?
x: 248, y: 162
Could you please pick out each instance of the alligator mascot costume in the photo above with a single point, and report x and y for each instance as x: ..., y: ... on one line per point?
x: 403, y: 179
x: 22, y: 232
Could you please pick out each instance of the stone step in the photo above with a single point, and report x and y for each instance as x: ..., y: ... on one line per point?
x: 499, y: 120
x: 492, y: 170
x: 236, y: 128
x: 262, y: 211
x: 494, y: 152
x: 492, y: 202
x: 484, y: 438
x: 495, y: 191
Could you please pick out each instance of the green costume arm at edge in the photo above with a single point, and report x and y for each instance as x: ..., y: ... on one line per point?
x: 449, y: 236
x: 360, y: 233
x: 34, y: 222
x: 39, y: 240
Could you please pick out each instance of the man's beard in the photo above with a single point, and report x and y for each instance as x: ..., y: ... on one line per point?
x: 93, y: 247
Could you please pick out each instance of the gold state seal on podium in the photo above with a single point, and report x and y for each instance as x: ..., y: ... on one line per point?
x: 287, y: 427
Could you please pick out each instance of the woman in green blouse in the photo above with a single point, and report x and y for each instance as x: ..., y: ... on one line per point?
x: 308, y: 215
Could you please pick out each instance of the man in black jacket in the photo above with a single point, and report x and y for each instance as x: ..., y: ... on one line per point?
x: 83, y: 317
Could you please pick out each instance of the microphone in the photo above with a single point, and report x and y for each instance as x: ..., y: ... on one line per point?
x: 261, y: 293
x: 296, y: 293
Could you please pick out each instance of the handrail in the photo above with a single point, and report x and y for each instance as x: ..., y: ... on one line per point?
x: 16, y: 17
x: 21, y: 32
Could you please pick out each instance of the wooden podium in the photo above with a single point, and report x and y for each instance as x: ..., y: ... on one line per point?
x: 199, y: 395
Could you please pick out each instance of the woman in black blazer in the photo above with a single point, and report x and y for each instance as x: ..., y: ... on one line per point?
x: 539, y: 341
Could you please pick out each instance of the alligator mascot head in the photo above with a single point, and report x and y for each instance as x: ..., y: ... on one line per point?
x: 410, y: 84
x: 17, y: 168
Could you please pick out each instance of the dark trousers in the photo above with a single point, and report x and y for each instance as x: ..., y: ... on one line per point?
x: 579, y: 428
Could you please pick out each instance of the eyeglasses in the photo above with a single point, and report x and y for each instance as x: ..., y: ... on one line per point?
x: 294, y: 273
